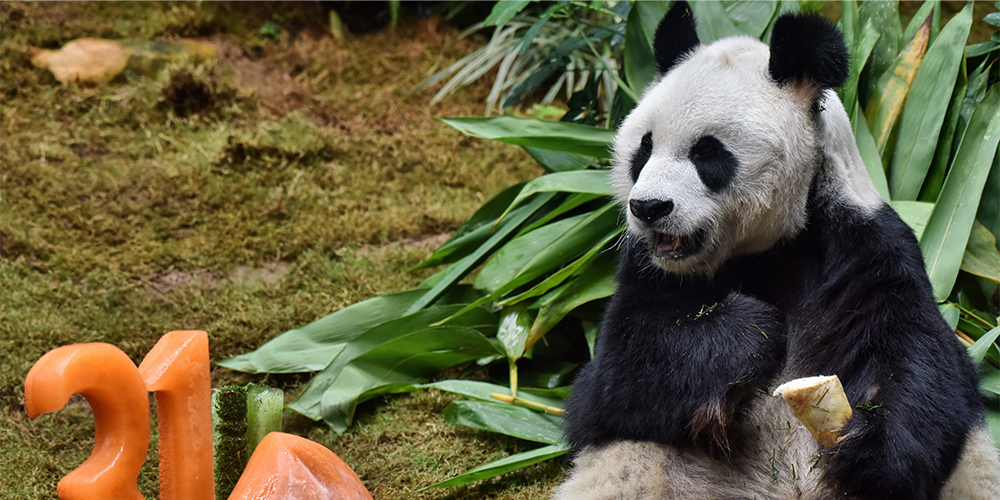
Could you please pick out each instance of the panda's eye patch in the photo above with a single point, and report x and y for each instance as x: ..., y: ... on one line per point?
x: 641, y: 156
x: 715, y: 164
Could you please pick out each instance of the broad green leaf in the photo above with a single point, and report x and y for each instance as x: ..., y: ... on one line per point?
x: 713, y: 21
x: 565, y: 273
x: 981, y: 256
x: 458, y: 270
x: 401, y: 361
x: 312, y: 347
x: 482, y: 390
x: 545, y: 249
x: 860, y: 52
x: 973, y: 96
x: 989, y: 381
x: 914, y: 214
x: 557, y: 136
x: 884, y: 16
x: 989, y: 207
x: 849, y: 24
x: 887, y: 101
x: 597, y: 283
x: 506, y: 419
x: 951, y: 313
x: 979, y: 349
x: 505, y: 11
x: 918, y: 19
x: 513, y: 331
x: 578, y: 181
x: 476, y: 230
x: 752, y: 18
x: 560, y: 161
x: 640, y: 65
x: 309, y: 401
x: 869, y: 152
x: 948, y: 229
x: 504, y: 466
x: 924, y: 111
x: 942, y: 154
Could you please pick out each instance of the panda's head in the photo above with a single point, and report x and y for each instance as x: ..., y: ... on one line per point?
x: 717, y: 158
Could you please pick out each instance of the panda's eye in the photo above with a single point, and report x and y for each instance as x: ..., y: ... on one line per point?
x: 715, y: 164
x: 641, y: 156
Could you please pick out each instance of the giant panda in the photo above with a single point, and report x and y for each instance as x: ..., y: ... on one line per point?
x: 758, y: 251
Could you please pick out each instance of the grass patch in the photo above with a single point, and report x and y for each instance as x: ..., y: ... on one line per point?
x: 245, y: 198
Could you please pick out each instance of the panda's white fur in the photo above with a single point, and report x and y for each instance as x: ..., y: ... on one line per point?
x: 772, y: 136
x: 790, y: 141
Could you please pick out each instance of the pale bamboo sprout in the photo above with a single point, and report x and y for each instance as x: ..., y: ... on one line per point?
x: 820, y: 404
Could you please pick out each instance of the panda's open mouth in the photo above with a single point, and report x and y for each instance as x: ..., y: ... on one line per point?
x: 672, y: 246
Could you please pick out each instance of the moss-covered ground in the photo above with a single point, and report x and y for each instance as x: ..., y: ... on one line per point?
x: 246, y: 197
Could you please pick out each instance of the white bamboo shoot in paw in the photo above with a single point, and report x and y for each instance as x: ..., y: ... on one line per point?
x: 820, y: 404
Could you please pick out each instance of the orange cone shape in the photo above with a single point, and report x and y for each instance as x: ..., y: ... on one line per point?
x: 287, y: 467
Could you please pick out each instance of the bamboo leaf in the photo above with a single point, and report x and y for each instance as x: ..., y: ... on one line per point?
x: 989, y: 381
x: 713, y: 21
x: 884, y: 16
x: 924, y: 111
x: 505, y: 11
x: 312, y: 347
x: 557, y: 136
x: 981, y: 256
x: 914, y: 214
x: 640, y: 68
x: 948, y: 229
x: 504, y: 466
x: 942, y: 154
x: 308, y: 403
x: 475, y: 231
x: 978, y: 350
x: 886, y: 103
x: 458, y: 270
x: 752, y: 18
x: 597, y: 283
x: 951, y: 314
x: 578, y: 181
x: 869, y: 152
x: 560, y: 161
x: 397, y: 364
x: 506, y: 419
x: 860, y: 52
x: 542, y: 250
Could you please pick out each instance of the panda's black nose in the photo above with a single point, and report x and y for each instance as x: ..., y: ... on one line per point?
x: 650, y: 210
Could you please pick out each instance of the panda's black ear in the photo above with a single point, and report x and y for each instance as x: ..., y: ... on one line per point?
x: 807, y: 48
x: 675, y: 36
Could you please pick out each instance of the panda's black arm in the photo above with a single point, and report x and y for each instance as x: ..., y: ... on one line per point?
x: 870, y: 317
x: 671, y: 367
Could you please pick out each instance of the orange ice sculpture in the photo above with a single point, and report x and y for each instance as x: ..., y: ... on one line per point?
x: 177, y: 369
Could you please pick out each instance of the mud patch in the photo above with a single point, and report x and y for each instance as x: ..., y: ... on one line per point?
x: 266, y: 275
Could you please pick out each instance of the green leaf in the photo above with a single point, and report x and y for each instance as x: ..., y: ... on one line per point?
x: 578, y: 181
x: 887, y: 101
x: 547, y: 248
x: 482, y: 390
x: 981, y: 257
x: 885, y: 17
x: 869, y: 152
x: 560, y: 161
x: 597, y: 282
x: 505, y: 11
x: 859, y: 56
x: 942, y: 154
x: 312, y: 347
x: 989, y: 381
x: 951, y: 313
x: 979, y: 349
x: 640, y: 65
x: 408, y: 359
x: 309, y: 401
x: 475, y: 231
x: 948, y: 229
x: 458, y: 270
x: 557, y: 136
x: 506, y: 419
x: 503, y: 466
x: 914, y: 214
x: 924, y: 111
x: 752, y: 18
x: 713, y: 23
